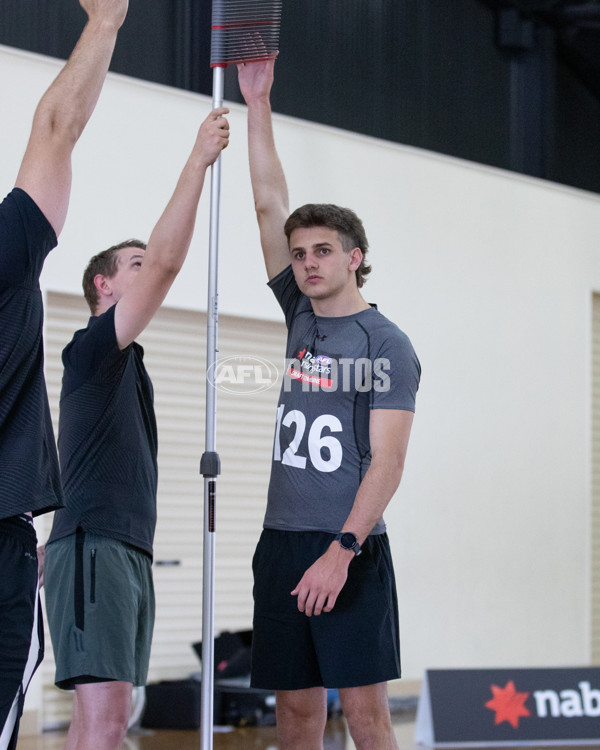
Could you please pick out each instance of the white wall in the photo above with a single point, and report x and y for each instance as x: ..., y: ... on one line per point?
x: 489, y: 273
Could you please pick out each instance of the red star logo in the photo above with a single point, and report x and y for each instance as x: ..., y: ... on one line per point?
x: 508, y: 704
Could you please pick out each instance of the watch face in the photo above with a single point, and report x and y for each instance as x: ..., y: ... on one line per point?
x: 348, y: 540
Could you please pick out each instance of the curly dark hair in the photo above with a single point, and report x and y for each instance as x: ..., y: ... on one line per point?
x: 343, y: 220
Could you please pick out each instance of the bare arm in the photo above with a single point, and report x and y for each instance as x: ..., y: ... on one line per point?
x: 65, y: 108
x: 389, y: 431
x: 268, y: 180
x: 171, y: 237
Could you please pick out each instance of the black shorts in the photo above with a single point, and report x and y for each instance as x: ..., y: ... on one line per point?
x: 355, y: 644
x: 21, y: 627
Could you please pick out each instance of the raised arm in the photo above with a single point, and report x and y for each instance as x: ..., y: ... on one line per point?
x: 268, y: 180
x: 65, y: 109
x: 172, y: 235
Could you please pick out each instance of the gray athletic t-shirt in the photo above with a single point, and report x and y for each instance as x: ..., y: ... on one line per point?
x: 336, y: 371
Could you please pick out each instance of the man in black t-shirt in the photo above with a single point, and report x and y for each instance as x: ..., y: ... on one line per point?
x: 99, y: 592
x: 325, y: 608
x: 31, y: 218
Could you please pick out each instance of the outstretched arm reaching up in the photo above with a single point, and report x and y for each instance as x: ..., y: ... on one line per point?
x: 266, y: 173
x: 171, y: 237
x: 65, y: 109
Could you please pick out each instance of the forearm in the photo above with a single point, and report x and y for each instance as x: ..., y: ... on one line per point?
x: 64, y: 110
x: 319, y: 587
x: 266, y: 173
x: 165, y: 253
x: 172, y: 235
x: 269, y: 186
x: 374, y: 494
x: 389, y: 433
x: 67, y: 105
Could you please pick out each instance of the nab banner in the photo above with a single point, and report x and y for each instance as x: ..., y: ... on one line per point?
x: 502, y: 707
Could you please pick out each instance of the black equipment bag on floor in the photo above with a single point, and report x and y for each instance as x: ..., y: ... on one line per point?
x: 240, y: 706
x: 231, y: 655
x: 176, y: 704
x: 172, y: 704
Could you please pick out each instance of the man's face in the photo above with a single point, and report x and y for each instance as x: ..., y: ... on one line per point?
x: 321, y: 267
x: 128, y: 265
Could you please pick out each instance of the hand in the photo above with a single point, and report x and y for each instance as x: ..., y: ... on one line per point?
x: 320, y: 586
x: 256, y: 79
x: 112, y: 12
x: 213, y: 135
x: 40, y: 556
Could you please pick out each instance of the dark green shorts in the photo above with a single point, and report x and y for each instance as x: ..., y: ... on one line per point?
x: 100, y: 609
x: 355, y: 644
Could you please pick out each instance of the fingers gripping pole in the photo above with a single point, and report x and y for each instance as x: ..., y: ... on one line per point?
x: 210, y: 463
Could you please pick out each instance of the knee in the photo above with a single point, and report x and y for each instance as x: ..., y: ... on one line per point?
x: 362, y: 729
x: 370, y: 731
x: 300, y: 722
x: 110, y: 729
x: 117, y: 729
x: 295, y: 720
x: 116, y: 726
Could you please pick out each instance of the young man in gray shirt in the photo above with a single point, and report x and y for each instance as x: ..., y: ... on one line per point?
x: 325, y: 601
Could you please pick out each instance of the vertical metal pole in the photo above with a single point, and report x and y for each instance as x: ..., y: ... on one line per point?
x: 210, y: 464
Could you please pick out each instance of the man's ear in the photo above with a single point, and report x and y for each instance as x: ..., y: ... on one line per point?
x: 102, y: 284
x: 356, y: 257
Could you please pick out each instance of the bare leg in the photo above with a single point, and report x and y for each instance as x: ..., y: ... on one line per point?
x: 72, y: 734
x: 100, y: 716
x: 301, y: 718
x: 367, y: 711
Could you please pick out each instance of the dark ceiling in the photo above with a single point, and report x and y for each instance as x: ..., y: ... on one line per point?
x: 577, y: 31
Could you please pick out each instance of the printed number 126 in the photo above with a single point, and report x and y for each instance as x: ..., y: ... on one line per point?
x: 317, y: 441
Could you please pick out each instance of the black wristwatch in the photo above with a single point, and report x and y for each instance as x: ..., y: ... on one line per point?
x: 348, y: 541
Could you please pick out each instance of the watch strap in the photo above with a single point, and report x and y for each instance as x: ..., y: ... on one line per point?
x: 348, y: 541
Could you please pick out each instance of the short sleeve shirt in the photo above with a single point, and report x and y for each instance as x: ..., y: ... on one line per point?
x: 29, y: 474
x: 107, y: 438
x: 337, y: 370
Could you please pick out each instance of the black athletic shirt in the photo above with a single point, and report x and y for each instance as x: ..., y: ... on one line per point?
x: 29, y: 475
x: 107, y: 438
